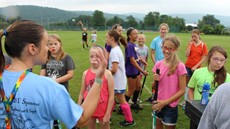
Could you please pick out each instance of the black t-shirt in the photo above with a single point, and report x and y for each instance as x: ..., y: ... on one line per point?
x: 84, y: 36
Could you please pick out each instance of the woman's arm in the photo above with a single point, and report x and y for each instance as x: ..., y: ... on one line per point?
x: 111, y: 97
x: 81, y: 94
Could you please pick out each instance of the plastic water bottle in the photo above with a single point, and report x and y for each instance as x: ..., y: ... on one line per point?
x: 205, y: 94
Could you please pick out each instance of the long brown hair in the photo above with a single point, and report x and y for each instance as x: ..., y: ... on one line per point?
x: 17, y: 36
x: 221, y: 74
x: 117, y: 37
x: 61, y: 53
x: 175, y: 61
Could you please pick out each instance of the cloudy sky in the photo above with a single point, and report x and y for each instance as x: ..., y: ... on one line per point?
x: 215, y: 7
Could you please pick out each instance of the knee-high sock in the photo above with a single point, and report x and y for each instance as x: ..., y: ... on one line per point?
x: 135, y: 96
x: 127, y: 98
x: 127, y: 112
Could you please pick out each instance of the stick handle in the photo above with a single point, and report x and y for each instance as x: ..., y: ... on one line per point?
x: 155, y: 98
x: 156, y: 89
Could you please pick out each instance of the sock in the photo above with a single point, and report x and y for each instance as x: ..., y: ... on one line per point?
x: 83, y: 46
x: 127, y: 112
x: 127, y: 98
x: 135, y: 96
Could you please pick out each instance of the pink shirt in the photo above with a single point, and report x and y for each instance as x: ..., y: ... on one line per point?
x: 168, y: 85
x: 104, y: 94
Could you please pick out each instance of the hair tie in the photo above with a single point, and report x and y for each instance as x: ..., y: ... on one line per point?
x: 5, y: 32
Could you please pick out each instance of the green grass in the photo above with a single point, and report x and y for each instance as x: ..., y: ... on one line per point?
x: 72, y: 45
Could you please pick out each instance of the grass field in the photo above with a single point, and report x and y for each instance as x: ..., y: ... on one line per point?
x: 72, y: 45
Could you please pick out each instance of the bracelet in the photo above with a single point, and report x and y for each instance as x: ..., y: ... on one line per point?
x: 98, y: 81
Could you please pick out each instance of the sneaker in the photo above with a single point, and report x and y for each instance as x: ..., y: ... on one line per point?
x: 97, y: 121
x: 182, y: 104
x: 150, y: 99
x: 126, y: 123
x: 130, y: 101
x: 136, y: 106
x: 139, y: 101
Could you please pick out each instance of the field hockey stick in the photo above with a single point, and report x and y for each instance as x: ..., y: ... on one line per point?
x: 155, y: 95
x: 139, y: 96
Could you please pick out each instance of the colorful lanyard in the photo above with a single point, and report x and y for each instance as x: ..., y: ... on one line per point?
x: 7, y: 102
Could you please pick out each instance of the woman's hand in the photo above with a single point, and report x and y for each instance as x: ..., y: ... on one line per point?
x: 102, y: 61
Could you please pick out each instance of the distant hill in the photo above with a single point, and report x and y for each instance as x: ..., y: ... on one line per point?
x: 44, y: 15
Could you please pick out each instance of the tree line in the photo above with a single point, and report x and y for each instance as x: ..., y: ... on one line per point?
x: 207, y: 25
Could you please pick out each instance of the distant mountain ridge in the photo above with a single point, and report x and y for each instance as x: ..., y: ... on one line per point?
x: 47, y: 14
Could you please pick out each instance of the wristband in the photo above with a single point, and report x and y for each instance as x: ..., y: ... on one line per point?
x: 98, y: 81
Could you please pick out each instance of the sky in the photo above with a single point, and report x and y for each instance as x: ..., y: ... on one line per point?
x: 214, y: 7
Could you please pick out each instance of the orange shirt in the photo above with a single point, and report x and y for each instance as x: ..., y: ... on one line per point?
x: 196, y: 54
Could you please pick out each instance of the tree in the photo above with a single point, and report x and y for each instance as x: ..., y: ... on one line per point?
x: 209, y: 20
x: 178, y: 23
x: 210, y: 25
x: 98, y: 18
x: 131, y: 21
x: 149, y: 20
x: 114, y: 20
x: 165, y: 19
x: 219, y: 29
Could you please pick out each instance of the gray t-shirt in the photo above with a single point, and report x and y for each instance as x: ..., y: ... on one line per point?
x: 58, y: 68
x: 143, y: 52
x: 217, y: 113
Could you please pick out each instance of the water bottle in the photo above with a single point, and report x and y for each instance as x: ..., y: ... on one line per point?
x: 205, y: 94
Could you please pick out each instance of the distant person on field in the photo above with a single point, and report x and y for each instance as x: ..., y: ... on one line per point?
x: 216, y: 113
x: 196, y: 53
x: 105, y: 104
x: 45, y: 99
x: 94, y: 38
x: 156, y: 47
x: 84, y: 38
x: 215, y: 73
